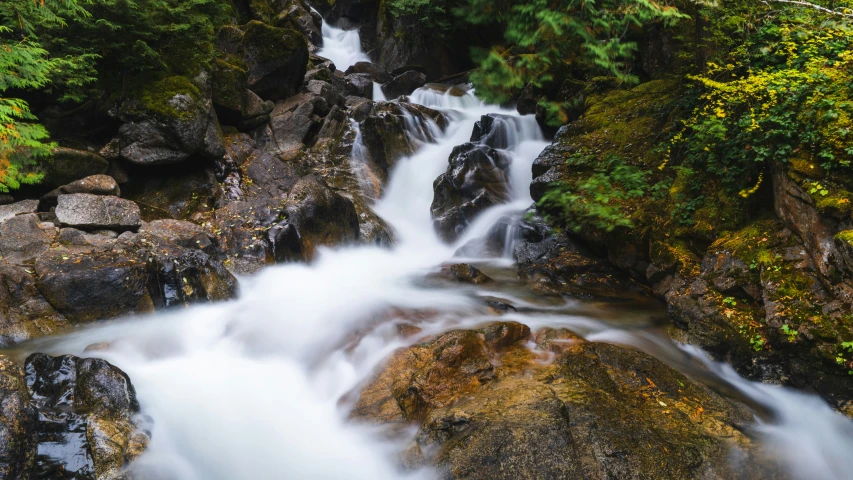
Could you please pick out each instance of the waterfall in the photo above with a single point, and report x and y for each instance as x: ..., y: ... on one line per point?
x: 260, y: 387
x: 342, y: 47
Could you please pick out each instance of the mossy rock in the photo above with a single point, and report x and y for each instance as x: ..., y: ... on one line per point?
x: 174, y: 97
x: 229, y: 85
x: 68, y: 165
x: 277, y: 59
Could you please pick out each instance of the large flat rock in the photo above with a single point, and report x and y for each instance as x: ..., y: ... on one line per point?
x: 85, y: 210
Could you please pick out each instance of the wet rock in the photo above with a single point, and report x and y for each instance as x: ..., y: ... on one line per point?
x: 133, y: 274
x: 277, y: 59
x: 464, y: 273
x: 314, y: 216
x: 17, y: 423
x: 180, y: 232
x: 167, y: 122
x: 241, y: 230
x: 83, y: 210
x: 292, y: 124
x: 426, y: 376
x: 374, y: 72
x: 9, y: 210
x: 496, y: 131
x: 299, y: 15
x: 477, y: 178
x: 404, y: 84
x: 69, y: 165
x: 87, y: 416
x: 22, y: 239
x: 93, y: 286
x: 360, y: 85
x: 24, y: 312
x: 392, y: 130
x: 553, y: 263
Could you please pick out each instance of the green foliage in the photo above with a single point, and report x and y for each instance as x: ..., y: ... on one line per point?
x: 783, y: 94
x: 757, y: 342
x: 25, y: 65
x: 597, y: 199
x: 545, y: 37
x: 789, y: 332
x: 431, y: 14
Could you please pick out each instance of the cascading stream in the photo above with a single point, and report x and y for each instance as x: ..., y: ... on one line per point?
x: 252, y: 389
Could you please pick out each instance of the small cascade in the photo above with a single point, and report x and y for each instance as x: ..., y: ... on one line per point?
x: 443, y: 97
x: 368, y: 182
x: 342, y: 47
x: 378, y: 94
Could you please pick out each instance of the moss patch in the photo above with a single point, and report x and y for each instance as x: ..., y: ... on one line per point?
x: 170, y: 97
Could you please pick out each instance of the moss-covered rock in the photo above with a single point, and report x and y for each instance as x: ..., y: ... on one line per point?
x: 168, y: 120
x: 277, y: 59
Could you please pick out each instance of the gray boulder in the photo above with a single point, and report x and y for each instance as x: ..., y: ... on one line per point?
x: 10, y: 210
x: 404, y: 84
x: 69, y: 164
x: 84, y: 210
x: 23, y: 238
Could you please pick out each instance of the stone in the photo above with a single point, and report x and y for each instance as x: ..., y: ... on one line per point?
x: 464, y: 273
x: 11, y: 209
x: 180, y: 232
x: 85, y: 210
x: 186, y: 192
x: 477, y: 178
x: 374, y: 72
x: 360, y: 85
x: 69, y: 164
x: 404, y: 84
x: 315, y: 216
x: 17, y: 423
x: 94, y: 286
x: 95, y: 185
x: 22, y: 239
x: 24, y: 312
x: 88, y: 414
x: 277, y: 59
x: 167, y: 122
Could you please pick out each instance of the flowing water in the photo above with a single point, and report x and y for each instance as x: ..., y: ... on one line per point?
x: 260, y: 387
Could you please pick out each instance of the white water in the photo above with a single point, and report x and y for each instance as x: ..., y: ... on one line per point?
x: 252, y: 389
x: 342, y: 47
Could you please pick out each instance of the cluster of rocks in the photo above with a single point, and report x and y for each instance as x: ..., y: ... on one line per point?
x: 68, y: 417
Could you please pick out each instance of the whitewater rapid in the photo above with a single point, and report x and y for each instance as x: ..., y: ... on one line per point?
x: 258, y: 387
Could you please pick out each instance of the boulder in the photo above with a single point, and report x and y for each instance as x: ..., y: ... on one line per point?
x: 299, y: 15
x: 360, y: 85
x: 497, y: 131
x: 404, y: 84
x: 94, y: 286
x: 373, y: 71
x: 167, y: 122
x: 464, y: 273
x: 292, y: 124
x: 24, y: 237
x: 69, y: 164
x: 95, y: 185
x: 235, y: 104
x: 24, y: 312
x: 392, y: 130
x: 277, y: 59
x: 477, y: 178
x: 17, y: 423
x: 132, y: 274
x: 84, y: 210
x: 489, y: 409
x: 87, y: 416
x: 242, y: 228
x: 9, y: 210
x: 315, y: 216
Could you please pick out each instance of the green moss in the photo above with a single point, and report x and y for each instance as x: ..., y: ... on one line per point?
x: 161, y: 98
x: 270, y: 44
x: 845, y: 236
x: 229, y: 84
x: 836, y: 203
